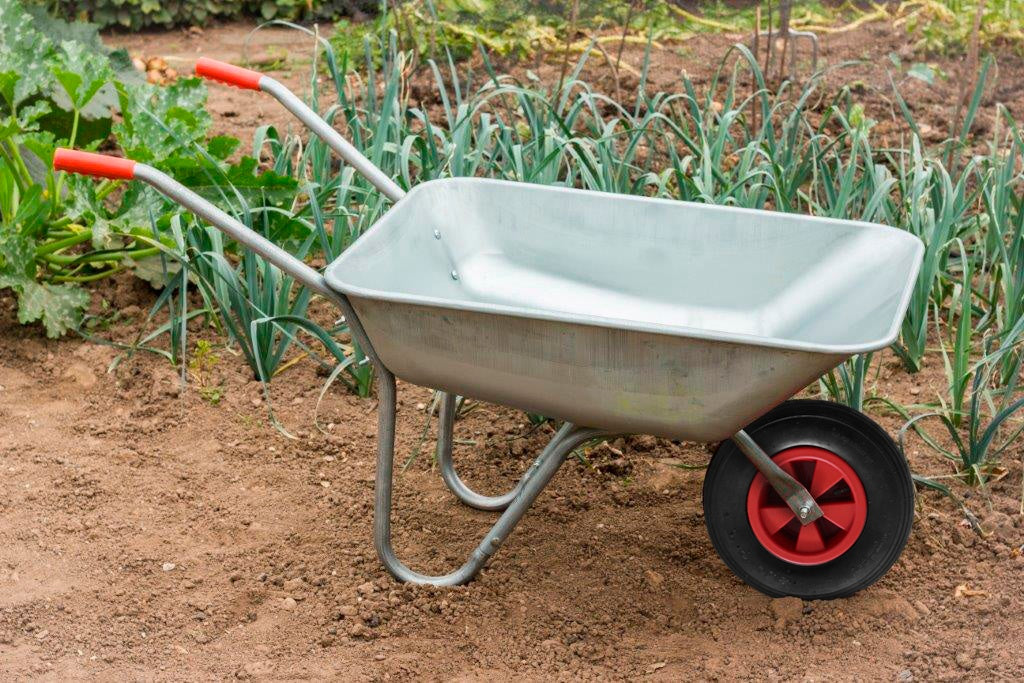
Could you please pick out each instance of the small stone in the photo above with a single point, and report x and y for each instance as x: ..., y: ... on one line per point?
x: 905, y: 676
x: 654, y: 579
x: 922, y: 608
x: 168, y: 566
x: 964, y: 661
x: 288, y: 603
x: 366, y: 588
x: 347, y: 611
x: 379, y: 657
x: 644, y: 442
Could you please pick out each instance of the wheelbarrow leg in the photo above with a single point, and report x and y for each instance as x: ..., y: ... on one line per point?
x: 451, y: 477
x: 545, y: 467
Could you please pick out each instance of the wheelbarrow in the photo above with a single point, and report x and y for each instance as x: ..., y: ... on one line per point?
x: 620, y: 315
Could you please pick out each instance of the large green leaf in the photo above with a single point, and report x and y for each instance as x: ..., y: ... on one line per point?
x: 242, y: 177
x: 24, y: 51
x: 159, y: 123
x: 17, y: 252
x: 81, y: 72
x: 59, y: 307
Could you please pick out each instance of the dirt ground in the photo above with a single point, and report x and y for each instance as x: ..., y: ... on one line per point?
x: 146, y: 533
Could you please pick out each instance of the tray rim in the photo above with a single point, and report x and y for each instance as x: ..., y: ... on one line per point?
x: 334, y: 275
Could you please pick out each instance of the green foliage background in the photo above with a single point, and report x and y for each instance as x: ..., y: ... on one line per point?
x: 136, y: 14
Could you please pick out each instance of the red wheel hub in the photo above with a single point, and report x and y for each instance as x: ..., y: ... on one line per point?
x: 839, y: 493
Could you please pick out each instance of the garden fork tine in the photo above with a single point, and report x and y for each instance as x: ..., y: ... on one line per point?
x: 788, y: 37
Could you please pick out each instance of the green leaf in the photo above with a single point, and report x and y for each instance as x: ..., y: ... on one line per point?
x: 159, y: 123
x: 8, y: 79
x: 58, y: 30
x: 923, y: 72
x: 222, y: 146
x: 24, y: 51
x: 58, y: 306
x: 17, y: 252
x: 154, y: 270
x: 81, y: 72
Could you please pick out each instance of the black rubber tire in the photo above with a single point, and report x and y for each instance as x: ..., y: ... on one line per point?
x: 872, y: 454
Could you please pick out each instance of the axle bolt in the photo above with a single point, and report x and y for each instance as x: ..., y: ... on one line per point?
x: 804, y: 511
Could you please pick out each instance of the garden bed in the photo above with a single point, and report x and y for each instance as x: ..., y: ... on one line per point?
x: 150, y: 531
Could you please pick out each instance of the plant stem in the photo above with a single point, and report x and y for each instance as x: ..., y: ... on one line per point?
x: 106, y: 187
x: 53, y: 247
x: 63, y: 260
x: 88, y: 278
x: 13, y: 157
x: 71, y: 144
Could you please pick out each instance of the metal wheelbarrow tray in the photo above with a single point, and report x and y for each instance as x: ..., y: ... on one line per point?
x: 681, y: 320
x: 624, y: 315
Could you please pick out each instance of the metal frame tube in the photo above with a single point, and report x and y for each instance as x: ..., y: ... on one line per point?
x: 234, y: 228
x: 250, y: 239
x: 544, y: 468
x: 333, y: 138
x: 451, y: 478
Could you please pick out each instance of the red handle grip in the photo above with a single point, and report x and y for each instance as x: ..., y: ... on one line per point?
x: 228, y: 73
x: 87, y: 163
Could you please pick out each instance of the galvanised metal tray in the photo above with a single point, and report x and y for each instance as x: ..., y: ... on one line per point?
x: 631, y: 314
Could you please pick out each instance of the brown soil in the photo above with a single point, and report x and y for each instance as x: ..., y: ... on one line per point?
x: 146, y: 533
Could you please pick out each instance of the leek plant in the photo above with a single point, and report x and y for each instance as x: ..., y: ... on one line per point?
x: 846, y: 383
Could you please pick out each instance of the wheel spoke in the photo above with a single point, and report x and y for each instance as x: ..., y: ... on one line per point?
x: 809, y: 540
x: 776, y: 517
x: 840, y: 513
x: 825, y: 477
x: 836, y: 488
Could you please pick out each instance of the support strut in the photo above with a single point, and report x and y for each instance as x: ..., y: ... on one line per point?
x: 534, y: 481
x: 451, y: 477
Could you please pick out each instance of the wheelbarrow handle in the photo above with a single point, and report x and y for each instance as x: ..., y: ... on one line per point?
x: 98, y: 165
x: 254, y: 80
x: 105, y: 166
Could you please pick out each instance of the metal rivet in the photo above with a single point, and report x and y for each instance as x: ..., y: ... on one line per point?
x: 804, y: 511
x: 455, y: 276
x: 437, y: 234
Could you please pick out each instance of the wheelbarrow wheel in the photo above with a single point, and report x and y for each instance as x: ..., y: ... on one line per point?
x: 857, y: 476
